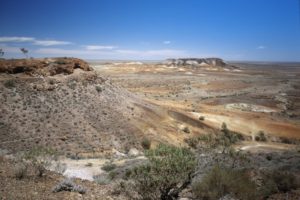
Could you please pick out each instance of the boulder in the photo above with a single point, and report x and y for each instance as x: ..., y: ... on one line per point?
x: 133, y: 152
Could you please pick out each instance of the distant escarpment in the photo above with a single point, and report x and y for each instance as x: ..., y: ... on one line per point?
x: 45, y: 67
x: 199, y: 62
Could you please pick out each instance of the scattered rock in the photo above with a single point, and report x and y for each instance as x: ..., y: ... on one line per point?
x: 133, y: 152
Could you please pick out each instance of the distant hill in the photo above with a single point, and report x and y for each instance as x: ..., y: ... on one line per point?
x: 199, y: 62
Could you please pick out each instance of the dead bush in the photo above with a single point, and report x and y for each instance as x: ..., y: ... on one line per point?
x: 20, y: 170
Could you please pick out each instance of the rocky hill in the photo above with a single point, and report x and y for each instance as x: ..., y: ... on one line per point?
x: 63, y: 104
x: 199, y: 62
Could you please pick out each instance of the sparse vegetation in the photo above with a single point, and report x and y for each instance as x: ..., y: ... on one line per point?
x: 1, y: 53
x: 98, y: 88
x: 60, y: 167
x: 89, y: 164
x: 20, y: 170
x: 186, y: 129
x: 24, y: 51
x: 192, y: 142
x: 146, y: 143
x: 261, y: 136
x: 278, y: 181
x: 102, y: 179
x: 40, y: 158
x: 108, y: 167
x: 69, y: 185
x: 9, y: 83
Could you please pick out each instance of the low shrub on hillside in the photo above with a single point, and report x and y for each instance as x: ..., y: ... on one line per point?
x: 40, y: 158
x: 9, y: 83
x: 186, y: 129
x: 108, y: 167
x: 261, y: 136
x: 168, y: 172
x: 69, y: 185
x: 278, y: 181
x: 20, y: 170
x: 146, y: 143
x: 221, y: 181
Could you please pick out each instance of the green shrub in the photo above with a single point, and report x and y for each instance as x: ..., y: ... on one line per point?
x: 168, y: 172
x: 186, y: 129
x: 261, y: 137
x: 192, y: 142
x: 9, y: 83
x: 98, y: 88
x: 202, y: 118
x: 112, y: 175
x: 61, y: 62
x: 220, y: 181
x: 108, y: 167
x: 146, y: 143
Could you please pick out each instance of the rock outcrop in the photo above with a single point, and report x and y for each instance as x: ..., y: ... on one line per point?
x: 45, y: 67
x: 199, y: 62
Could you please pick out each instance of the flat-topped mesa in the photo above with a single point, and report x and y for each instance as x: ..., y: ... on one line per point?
x: 198, y: 62
x: 45, y: 67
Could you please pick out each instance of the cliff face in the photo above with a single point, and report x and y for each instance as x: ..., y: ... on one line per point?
x: 199, y: 62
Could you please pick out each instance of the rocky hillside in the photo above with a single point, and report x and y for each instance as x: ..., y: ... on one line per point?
x: 72, y: 110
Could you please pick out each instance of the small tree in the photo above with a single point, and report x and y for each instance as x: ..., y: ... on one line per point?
x: 1, y: 52
x: 24, y: 51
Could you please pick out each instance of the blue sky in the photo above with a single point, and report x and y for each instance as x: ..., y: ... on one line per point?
x: 258, y: 30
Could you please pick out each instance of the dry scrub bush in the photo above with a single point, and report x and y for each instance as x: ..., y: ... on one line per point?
x: 9, y: 83
x: 261, y: 136
x: 221, y: 181
x: 168, y: 172
x: 69, y: 185
x: 20, y: 170
x: 278, y: 181
x: 146, y: 143
x: 108, y: 167
x: 40, y: 158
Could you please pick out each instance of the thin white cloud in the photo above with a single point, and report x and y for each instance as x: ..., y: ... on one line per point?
x: 99, y: 47
x: 34, y: 41
x: 17, y: 39
x: 261, y: 47
x: 167, y: 42
x: 50, y: 42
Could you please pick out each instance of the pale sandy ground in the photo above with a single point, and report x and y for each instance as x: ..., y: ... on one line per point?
x: 88, y: 168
